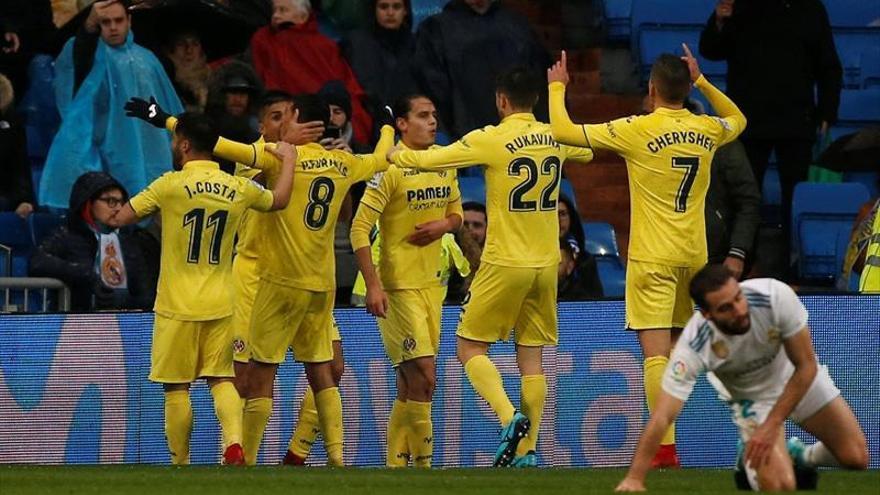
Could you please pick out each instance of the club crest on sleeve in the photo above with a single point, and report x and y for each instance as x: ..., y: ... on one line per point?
x: 376, y: 180
x: 720, y: 349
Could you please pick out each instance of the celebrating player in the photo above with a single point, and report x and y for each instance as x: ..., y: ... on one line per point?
x: 753, y: 337
x: 515, y: 287
x: 201, y: 210
x: 414, y: 210
x: 668, y: 154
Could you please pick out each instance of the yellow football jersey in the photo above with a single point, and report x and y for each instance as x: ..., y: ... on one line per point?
x: 201, y: 211
x: 402, y: 199
x: 523, y: 170
x: 668, y: 154
x: 250, y: 230
x: 301, y: 250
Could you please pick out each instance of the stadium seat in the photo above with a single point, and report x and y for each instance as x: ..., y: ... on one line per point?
x: 41, y: 224
x: 618, y: 16
x: 612, y: 275
x: 852, y: 13
x: 869, y: 67
x: 425, y: 8
x: 820, y: 214
x: 850, y: 43
x: 859, y: 107
x: 14, y: 233
x: 566, y: 188
x: 869, y: 179
x: 655, y: 39
x: 472, y: 189
x: 771, y: 194
x: 600, y: 239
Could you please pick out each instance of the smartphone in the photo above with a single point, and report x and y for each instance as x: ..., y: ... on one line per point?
x: 331, y: 133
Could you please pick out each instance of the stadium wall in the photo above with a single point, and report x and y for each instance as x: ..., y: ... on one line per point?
x: 73, y: 390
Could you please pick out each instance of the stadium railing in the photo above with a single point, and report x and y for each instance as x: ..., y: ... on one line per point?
x: 26, y: 287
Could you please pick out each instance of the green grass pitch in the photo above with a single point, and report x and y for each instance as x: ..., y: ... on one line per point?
x: 124, y: 480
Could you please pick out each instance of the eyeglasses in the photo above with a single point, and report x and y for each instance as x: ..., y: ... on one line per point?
x: 111, y: 201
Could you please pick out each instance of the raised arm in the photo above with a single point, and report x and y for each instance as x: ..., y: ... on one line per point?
x: 457, y: 155
x: 725, y: 107
x: 563, y: 129
x: 284, y: 185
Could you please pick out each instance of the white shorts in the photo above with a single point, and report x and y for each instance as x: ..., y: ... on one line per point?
x: 749, y: 414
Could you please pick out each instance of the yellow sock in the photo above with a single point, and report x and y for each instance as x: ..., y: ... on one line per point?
x: 532, y: 397
x: 227, y: 406
x: 421, y: 438
x: 654, y: 367
x: 178, y: 425
x: 256, y: 415
x: 486, y: 380
x: 329, y: 404
x: 307, y: 426
x: 398, y: 444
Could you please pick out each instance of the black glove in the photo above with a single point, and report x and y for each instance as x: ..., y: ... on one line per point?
x: 149, y: 112
x: 386, y: 117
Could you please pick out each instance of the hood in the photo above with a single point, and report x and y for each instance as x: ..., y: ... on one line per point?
x: 334, y: 93
x: 86, y: 186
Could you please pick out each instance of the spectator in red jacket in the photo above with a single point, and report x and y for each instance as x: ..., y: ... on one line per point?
x: 290, y: 54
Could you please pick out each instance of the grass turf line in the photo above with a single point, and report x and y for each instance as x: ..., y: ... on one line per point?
x: 212, y: 480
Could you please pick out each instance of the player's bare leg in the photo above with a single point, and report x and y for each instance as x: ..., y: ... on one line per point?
x: 328, y: 403
x: 841, y: 439
x: 777, y: 473
x: 308, y: 426
x: 227, y: 407
x: 656, y: 345
x: 420, y: 377
x: 240, y: 380
x: 533, y: 395
x: 178, y: 421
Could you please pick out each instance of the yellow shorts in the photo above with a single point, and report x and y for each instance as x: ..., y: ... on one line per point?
x: 286, y: 316
x: 504, y: 298
x: 245, y: 279
x: 411, y: 329
x: 185, y: 350
x: 657, y: 295
x: 334, y: 330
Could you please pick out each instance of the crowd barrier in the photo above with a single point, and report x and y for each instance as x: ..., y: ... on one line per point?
x: 74, y: 390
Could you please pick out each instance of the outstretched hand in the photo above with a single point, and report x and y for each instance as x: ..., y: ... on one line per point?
x: 691, y: 62
x: 559, y: 71
x: 148, y: 111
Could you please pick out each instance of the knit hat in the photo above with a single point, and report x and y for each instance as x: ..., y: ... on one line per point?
x: 334, y: 93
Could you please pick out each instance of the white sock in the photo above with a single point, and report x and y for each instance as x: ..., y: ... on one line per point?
x: 818, y: 455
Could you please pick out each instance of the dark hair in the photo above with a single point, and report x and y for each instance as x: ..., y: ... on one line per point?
x: 403, y: 105
x: 474, y: 206
x: 521, y: 86
x: 312, y: 107
x: 710, y: 278
x: 672, y: 78
x: 272, y: 97
x: 198, y: 129
x: 576, y: 227
x: 407, y: 21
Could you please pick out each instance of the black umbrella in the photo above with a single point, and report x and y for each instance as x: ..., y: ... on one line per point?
x: 857, y: 152
x: 222, y: 31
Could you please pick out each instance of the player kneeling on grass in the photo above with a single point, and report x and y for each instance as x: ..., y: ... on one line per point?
x: 753, y: 339
x: 192, y: 334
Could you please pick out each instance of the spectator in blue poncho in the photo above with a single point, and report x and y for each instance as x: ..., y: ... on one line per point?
x: 98, y: 70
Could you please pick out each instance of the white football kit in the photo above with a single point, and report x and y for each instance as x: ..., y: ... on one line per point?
x: 749, y: 371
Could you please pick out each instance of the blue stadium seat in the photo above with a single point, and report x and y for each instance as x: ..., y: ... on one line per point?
x: 567, y: 189
x: 600, y: 239
x: 694, y: 12
x: 667, y: 38
x: 618, y: 14
x: 425, y: 8
x: 771, y: 195
x: 852, y: 13
x: 472, y: 189
x: 612, y: 275
x: 850, y: 43
x: 869, y: 67
x: 42, y: 224
x: 869, y: 179
x: 14, y: 233
x: 821, y: 213
x: 859, y: 107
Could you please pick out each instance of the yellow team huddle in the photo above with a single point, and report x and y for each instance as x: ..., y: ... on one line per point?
x: 279, y: 291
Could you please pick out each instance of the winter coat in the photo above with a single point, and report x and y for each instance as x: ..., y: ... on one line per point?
x: 69, y: 253
x: 732, y: 205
